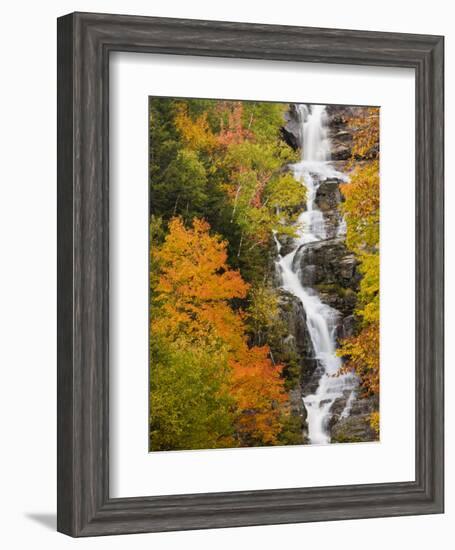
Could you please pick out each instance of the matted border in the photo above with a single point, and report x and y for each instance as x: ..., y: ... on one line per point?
x: 84, y: 44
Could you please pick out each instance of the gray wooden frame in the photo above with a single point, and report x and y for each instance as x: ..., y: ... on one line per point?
x: 84, y: 43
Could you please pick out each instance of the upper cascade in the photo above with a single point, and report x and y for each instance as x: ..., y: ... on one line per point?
x: 315, y: 140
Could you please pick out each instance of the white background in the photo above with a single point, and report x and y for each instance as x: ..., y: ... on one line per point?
x: 28, y: 274
x: 133, y: 471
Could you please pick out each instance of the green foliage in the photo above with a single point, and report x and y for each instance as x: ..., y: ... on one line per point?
x: 164, y: 140
x: 156, y: 238
x: 183, y: 188
x: 222, y: 160
x: 263, y: 316
x: 285, y: 196
x: 291, y: 433
x: 189, y: 409
x: 255, y: 157
x: 264, y: 119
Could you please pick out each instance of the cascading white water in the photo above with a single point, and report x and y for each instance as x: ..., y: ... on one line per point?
x: 321, y: 319
x: 314, y: 133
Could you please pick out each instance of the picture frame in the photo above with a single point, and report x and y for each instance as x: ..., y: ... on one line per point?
x: 85, y: 507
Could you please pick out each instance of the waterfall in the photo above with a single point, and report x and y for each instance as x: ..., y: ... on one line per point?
x: 314, y: 133
x: 321, y: 319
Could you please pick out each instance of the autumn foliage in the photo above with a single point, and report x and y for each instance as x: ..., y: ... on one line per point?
x: 195, y: 285
x: 192, y: 310
x: 361, y: 209
x: 219, y: 372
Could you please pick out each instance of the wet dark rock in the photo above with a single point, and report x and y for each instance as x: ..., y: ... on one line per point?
x: 328, y: 196
x: 347, y: 327
x: 296, y: 403
x: 339, y: 404
x: 342, y: 299
x: 338, y: 115
x: 341, y: 151
x: 333, y: 264
x: 290, y: 132
x: 299, y: 416
x: 311, y: 273
x: 337, y: 409
x: 353, y: 429
x: 274, y: 275
x: 331, y: 270
x: 294, y: 317
x: 324, y: 402
x: 287, y: 244
x: 310, y: 383
x: 365, y: 405
x: 333, y: 219
x: 347, y: 268
x: 340, y: 133
x: 356, y: 427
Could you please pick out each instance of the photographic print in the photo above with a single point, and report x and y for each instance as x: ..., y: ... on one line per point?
x: 264, y: 274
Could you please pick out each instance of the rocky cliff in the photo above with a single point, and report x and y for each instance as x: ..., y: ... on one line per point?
x: 330, y: 269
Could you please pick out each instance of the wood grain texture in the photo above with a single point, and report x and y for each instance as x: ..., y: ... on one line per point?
x: 84, y: 44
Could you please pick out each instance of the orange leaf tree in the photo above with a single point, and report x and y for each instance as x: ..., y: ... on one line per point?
x: 193, y: 303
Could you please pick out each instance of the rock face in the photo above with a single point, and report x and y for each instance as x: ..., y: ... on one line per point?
x: 355, y: 427
x: 291, y: 130
x: 298, y: 350
x: 298, y: 341
x: 328, y: 199
x: 330, y: 268
x: 341, y: 134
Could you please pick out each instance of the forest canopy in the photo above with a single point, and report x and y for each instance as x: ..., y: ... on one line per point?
x: 218, y: 192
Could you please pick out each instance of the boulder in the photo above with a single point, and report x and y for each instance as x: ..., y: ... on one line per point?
x: 287, y: 244
x: 294, y: 317
x: 342, y: 299
x: 355, y: 427
x: 347, y: 268
x: 347, y: 327
x: 328, y: 196
x: 340, y: 134
x: 332, y: 264
x: 310, y: 382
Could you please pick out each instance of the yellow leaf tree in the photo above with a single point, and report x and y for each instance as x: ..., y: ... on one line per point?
x: 361, y: 210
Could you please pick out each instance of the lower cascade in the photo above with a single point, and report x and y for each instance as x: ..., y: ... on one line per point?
x: 321, y: 321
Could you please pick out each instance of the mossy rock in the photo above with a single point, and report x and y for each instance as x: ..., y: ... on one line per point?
x: 353, y: 429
